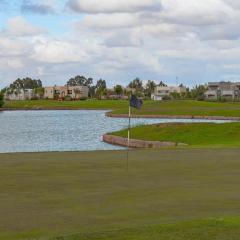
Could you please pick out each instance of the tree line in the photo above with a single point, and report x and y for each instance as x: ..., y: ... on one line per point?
x: 1, y: 99
x: 100, y: 89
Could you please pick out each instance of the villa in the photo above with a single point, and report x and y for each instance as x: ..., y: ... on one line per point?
x: 60, y: 92
x: 223, y: 90
x: 160, y: 92
x: 20, y: 94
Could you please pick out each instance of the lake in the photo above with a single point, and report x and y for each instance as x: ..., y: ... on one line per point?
x: 80, y: 130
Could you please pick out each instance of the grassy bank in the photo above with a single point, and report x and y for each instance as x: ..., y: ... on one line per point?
x: 193, y: 134
x: 90, y: 195
x: 181, y: 107
x: 51, y: 104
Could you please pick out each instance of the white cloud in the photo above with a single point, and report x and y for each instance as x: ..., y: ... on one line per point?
x: 204, y: 12
x: 120, y: 39
x: 55, y: 51
x: 232, y: 67
x: 233, y: 3
x: 18, y: 26
x: 10, y: 47
x: 113, y: 6
x: 116, y: 20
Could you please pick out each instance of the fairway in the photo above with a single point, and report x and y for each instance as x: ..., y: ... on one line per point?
x: 192, y: 134
x: 91, y: 195
x: 172, y: 108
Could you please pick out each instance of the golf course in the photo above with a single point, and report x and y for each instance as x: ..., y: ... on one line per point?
x: 185, y: 193
x: 192, y: 134
x: 178, y: 107
x: 167, y: 194
x: 119, y: 120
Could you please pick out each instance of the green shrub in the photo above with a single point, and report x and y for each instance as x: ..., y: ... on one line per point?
x: 166, y: 98
x: 200, y: 98
x: 67, y: 98
x: 1, y: 99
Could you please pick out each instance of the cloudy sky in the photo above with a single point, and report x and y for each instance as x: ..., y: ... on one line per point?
x: 118, y: 40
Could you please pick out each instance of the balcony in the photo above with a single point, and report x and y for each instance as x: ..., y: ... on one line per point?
x: 211, y: 93
x: 227, y: 93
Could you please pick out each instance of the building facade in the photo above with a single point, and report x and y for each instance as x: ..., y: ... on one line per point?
x: 160, y: 92
x: 20, y: 94
x: 60, y: 92
x: 223, y: 90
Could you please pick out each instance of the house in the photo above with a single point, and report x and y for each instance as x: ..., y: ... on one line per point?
x: 78, y: 92
x: 223, y: 90
x: 20, y: 94
x: 161, y: 92
x: 55, y: 92
x: 60, y: 92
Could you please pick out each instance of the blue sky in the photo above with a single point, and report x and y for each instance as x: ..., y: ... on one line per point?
x: 118, y: 40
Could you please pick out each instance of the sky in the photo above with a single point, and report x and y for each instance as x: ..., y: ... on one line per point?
x: 175, y: 41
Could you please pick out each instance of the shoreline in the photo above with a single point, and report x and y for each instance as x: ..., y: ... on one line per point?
x: 141, y: 144
x: 112, y: 115
x: 52, y: 109
x: 109, y: 114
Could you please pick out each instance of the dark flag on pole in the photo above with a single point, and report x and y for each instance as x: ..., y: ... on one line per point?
x: 135, y: 102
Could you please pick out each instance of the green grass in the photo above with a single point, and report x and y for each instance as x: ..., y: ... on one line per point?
x: 91, y: 195
x: 181, y: 107
x: 214, y: 229
x: 193, y: 134
x: 51, y: 104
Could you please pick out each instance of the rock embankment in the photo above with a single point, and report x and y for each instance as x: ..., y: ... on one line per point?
x: 135, y: 143
x: 110, y: 114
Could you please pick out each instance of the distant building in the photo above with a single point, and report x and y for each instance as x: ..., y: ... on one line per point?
x: 20, y: 94
x: 160, y: 92
x: 60, y: 92
x: 223, y: 90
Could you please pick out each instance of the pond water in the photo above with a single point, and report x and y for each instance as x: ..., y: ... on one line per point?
x: 40, y: 131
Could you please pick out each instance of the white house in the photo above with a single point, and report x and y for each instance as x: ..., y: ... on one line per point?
x: 75, y: 92
x: 164, y: 91
x: 20, y: 94
x: 227, y: 90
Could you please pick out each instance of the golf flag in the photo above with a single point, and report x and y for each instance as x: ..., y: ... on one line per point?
x: 135, y: 102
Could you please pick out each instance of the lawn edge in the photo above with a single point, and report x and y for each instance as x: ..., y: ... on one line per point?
x: 137, y: 143
x: 113, y: 115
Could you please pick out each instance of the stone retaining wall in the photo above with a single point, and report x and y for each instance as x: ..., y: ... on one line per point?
x: 134, y: 143
x: 109, y: 114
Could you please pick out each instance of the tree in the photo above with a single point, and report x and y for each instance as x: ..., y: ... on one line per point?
x: 136, y: 84
x: 92, y: 91
x: 162, y: 84
x: 150, y: 86
x: 198, y: 92
x: 187, y: 94
x: 80, y: 81
x: 118, y: 89
x: 25, y: 83
x: 1, y: 99
x: 175, y: 95
x: 101, y: 88
x: 39, y: 92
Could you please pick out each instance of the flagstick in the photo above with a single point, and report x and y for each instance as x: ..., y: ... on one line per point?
x: 129, y: 125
